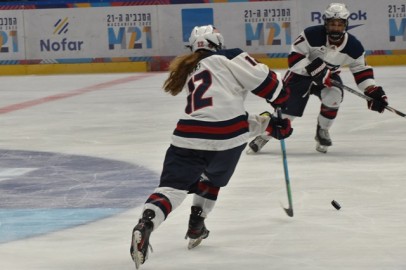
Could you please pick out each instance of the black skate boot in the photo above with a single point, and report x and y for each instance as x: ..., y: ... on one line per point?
x: 140, y: 238
x: 197, y: 231
x: 323, y: 139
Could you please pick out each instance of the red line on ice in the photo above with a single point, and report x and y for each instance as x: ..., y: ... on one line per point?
x: 100, y: 86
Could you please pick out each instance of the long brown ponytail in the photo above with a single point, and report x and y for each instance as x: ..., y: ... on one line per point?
x: 180, y: 68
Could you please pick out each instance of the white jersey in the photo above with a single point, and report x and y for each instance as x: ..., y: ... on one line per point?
x: 313, y: 43
x: 215, y: 117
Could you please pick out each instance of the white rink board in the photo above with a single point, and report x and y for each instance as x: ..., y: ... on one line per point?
x: 162, y: 30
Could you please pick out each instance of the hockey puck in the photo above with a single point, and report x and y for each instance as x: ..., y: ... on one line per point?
x: 335, y: 204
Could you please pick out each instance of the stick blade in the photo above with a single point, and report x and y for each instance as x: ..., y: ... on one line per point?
x: 289, y: 211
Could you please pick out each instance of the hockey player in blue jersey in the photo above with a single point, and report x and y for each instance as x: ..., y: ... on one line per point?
x: 315, y: 58
x: 211, y: 133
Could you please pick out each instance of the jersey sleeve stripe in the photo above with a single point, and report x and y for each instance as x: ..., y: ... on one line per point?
x: 294, y: 58
x: 363, y: 75
x: 221, y: 130
x: 267, y: 87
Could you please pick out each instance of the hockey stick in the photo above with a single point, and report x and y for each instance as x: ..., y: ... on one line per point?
x: 338, y: 84
x: 289, y: 211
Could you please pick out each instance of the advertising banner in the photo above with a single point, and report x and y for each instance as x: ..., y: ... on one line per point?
x: 257, y: 27
x: 381, y: 26
x: 11, y: 35
x: 137, y: 33
x: 131, y: 31
x: 91, y: 33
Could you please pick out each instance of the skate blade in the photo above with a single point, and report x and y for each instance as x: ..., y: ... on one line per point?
x: 137, y: 259
x: 321, y: 148
x: 137, y: 256
x: 194, y: 242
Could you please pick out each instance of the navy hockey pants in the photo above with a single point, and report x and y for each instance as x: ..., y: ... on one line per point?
x: 301, y: 88
x: 183, y: 167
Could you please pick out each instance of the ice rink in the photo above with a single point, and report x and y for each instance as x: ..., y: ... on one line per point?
x: 79, y: 154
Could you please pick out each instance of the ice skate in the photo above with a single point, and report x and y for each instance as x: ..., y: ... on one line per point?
x: 323, y: 140
x: 140, y: 238
x: 256, y: 144
x: 197, y: 231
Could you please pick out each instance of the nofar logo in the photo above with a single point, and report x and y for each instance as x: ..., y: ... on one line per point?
x: 61, y: 26
x: 60, y: 44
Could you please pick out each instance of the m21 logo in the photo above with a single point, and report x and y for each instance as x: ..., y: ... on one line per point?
x: 397, y: 28
x: 268, y: 33
x: 130, y: 37
x: 8, y: 41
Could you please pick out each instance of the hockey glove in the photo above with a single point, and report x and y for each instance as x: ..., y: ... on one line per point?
x: 379, y: 101
x: 281, y: 100
x: 319, y: 72
x: 279, y: 128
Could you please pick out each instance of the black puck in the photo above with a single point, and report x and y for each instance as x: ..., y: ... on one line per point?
x: 335, y: 204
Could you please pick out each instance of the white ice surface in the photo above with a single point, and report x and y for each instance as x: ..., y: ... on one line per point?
x: 365, y: 171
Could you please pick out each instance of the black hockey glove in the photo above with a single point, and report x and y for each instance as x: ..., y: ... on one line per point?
x: 281, y: 100
x: 279, y: 128
x: 319, y: 72
x: 379, y: 101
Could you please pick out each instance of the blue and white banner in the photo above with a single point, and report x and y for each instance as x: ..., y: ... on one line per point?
x: 130, y: 33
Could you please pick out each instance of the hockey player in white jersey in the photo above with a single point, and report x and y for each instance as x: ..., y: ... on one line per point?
x: 211, y: 133
x: 315, y: 58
